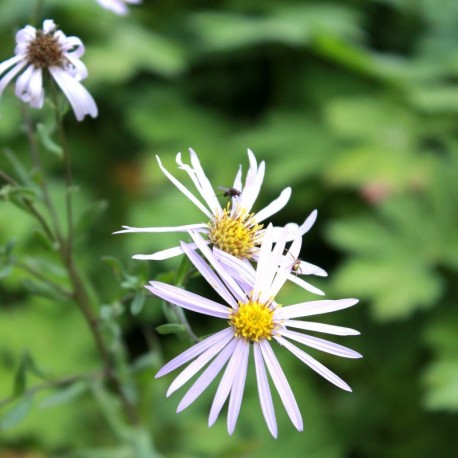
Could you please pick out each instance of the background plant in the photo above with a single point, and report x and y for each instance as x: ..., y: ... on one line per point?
x: 351, y: 103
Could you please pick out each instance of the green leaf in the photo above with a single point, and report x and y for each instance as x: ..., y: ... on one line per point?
x: 18, y: 167
x: 44, y: 134
x: 20, y: 379
x: 65, y: 395
x: 171, y: 328
x: 137, y: 303
x: 16, y: 414
x: 441, y: 379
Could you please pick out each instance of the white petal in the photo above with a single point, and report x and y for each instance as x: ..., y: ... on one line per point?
x: 210, y: 276
x: 10, y: 75
x: 253, y: 182
x: 265, y: 397
x: 313, y: 364
x: 185, y: 190
x: 12, y: 61
x: 281, y: 384
x: 321, y: 344
x: 203, y: 359
x: 227, y: 380
x: 185, y: 228
x: 163, y: 254
x: 306, y: 268
x: 207, y: 376
x: 274, y: 207
x: 264, y: 260
x: 314, y: 308
x: 235, y: 399
x: 320, y: 327
x: 81, y: 101
x: 308, y: 223
x: 303, y: 284
x: 240, y: 269
x: 188, y: 300
x: 194, y: 352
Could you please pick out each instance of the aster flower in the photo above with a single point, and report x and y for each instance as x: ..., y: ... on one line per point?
x: 117, y: 6
x: 48, y: 50
x: 233, y: 228
x: 255, y: 321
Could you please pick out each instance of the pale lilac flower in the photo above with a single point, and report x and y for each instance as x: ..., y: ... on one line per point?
x: 117, y: 6
x: 50, y: 50
x: 233, y: 228
x: 253, y: 321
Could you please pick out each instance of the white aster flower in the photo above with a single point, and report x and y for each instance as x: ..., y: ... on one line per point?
x: 255, y: 321
x: 117, y: 6
x: 50, y: 50
x: 233, y: 228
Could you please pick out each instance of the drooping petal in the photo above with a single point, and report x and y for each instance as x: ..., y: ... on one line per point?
x: 281, y: 384
x: 313, y: 364
x: 265, y: 397
x: 321, y: 344
x: 81, y: 101
x: 10, y: 75
x: 207, y: 376
x: 194, y: 352
x: 304, y: 284
x: 188, y: 300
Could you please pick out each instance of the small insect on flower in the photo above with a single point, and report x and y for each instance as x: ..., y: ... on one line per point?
x: 230, y: 192
x: 48, y: 50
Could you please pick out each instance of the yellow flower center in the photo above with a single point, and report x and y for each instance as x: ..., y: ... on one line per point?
x: 44, y: 51
x: 253, y: 321
x: 236, y: 234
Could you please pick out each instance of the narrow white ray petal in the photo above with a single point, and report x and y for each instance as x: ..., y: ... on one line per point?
x: 185, y: 228
x: 212, y: 279
x: 304, y: 284
x: 314, y: 308
x: 202, y: 360
x: 306, y: 268
x: 320, y: 327
x: 313, y: 364
x: 22, y: 84
x: 230, y: 283
x: 207, y: 376
x: 274, y: 206
x: 275, y: 277
x: 264, y: 259
x: 10, y: 75
x: 253, y: 182
x: 13, y: 61
x: 240, y: 269
x: 185, y: 190
x: 281, y: 384
x: 194, y: 352
x: 308, y: 223
x: 35, y: 89
x: 188, y: 300
x: 81, y: 101
x: 321, y: 344
x: 235, y: 399
x: 225, y: 385
x: 206, y: 188
x: 265, y: 397
x: 160, y: 255
x: 238, y: 179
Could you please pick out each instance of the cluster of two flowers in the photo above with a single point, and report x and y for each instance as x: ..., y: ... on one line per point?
x: 247, y: 264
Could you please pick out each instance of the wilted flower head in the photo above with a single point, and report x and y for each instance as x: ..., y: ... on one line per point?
x: 117, y: 6
x: 254, y: 321
x: 233, y: 228
x: 48, y: 50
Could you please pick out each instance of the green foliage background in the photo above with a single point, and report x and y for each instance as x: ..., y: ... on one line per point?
x: 352, y: 103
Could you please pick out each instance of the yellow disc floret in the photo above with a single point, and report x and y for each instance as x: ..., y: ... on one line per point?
x: 235, y: 233
x: 253, y: 321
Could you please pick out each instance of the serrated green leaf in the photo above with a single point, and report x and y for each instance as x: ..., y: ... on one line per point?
x: 16, y: 414
x: 65, y: 395
x: 171, y: 328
